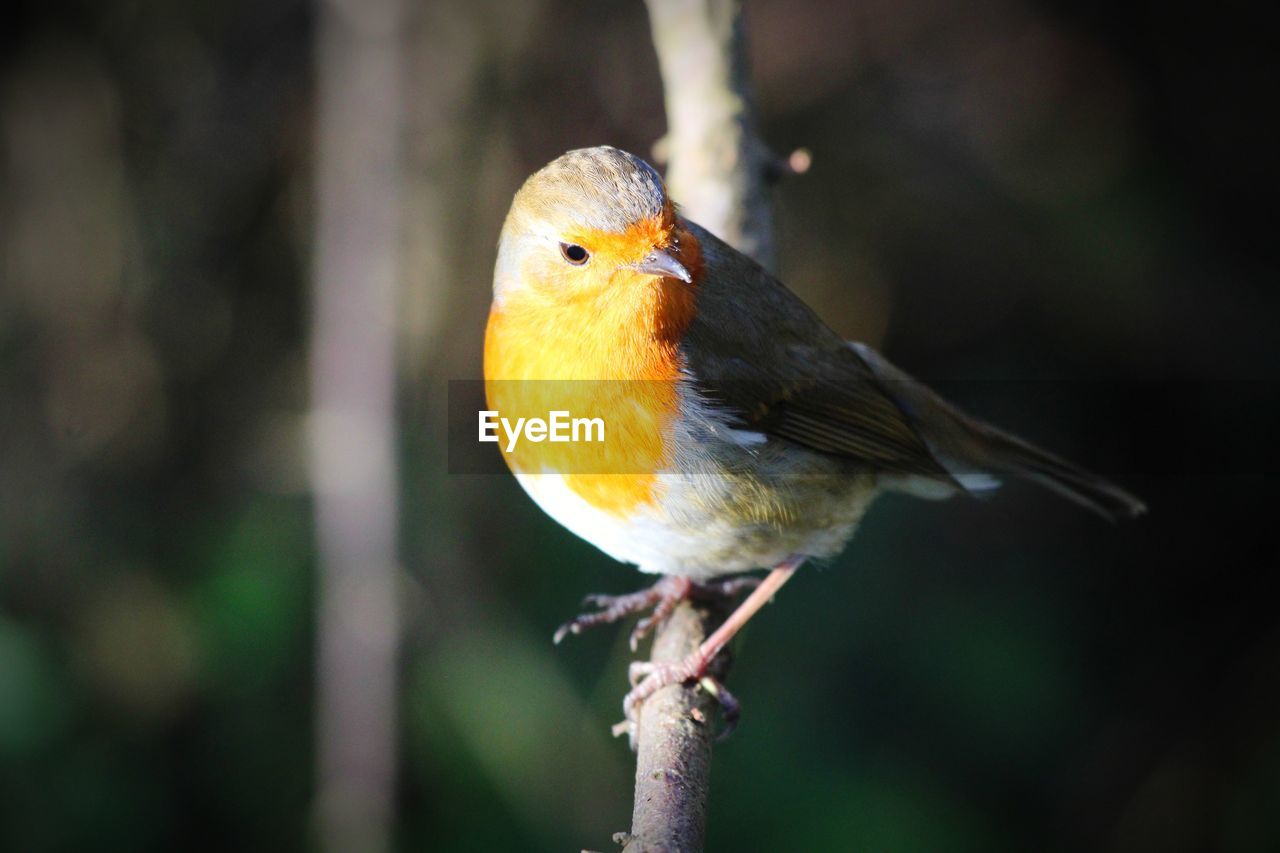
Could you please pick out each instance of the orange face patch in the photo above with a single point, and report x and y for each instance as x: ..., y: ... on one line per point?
x: 613, y: 249
x: 606, y: 322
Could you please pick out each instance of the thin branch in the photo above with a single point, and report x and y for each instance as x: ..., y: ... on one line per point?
x: 717, y: 164
x: 353, y: 419
x: 673, y: 755
x: 718, y: 171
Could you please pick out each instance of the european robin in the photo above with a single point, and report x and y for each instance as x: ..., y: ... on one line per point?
x: 740, y: 431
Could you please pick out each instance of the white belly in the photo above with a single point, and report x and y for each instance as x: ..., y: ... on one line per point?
x: 684, y: 533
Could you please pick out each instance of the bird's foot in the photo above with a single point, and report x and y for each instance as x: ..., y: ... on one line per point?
x: 648, y: 678
x: 663, y: 597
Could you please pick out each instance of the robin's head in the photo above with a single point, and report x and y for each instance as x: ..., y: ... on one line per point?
x: 591, y: 219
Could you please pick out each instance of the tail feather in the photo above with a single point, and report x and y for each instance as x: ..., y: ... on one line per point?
x: 972, y: 450
x: 1019, y: 458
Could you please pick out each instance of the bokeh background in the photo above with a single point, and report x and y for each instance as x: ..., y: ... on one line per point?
x: 1070, y: 202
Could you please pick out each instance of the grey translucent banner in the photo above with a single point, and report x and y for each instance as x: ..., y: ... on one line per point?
x: 1115, y: 428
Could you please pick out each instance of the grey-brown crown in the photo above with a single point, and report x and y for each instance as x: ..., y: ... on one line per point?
x: 602, y: 188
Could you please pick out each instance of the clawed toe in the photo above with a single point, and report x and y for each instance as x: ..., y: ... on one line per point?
x: 648, y: 678
x: 661, y: 611
x: 639, y: 670
x: 730, y: 707
x: 642, y: 629
x: 664, y: 596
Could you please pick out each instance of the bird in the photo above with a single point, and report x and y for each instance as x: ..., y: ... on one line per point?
x: 740, y: 431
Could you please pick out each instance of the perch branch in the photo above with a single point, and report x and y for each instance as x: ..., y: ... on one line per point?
x: 718, y: 171
x: 673, y: 756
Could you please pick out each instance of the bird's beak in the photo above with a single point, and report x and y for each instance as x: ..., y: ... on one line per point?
x: 661, y: 263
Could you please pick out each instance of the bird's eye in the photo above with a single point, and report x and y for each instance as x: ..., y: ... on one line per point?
x: 574, y: 254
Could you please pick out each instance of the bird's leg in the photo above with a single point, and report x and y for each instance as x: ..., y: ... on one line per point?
x: 663, y: 597
x: 648, y: 678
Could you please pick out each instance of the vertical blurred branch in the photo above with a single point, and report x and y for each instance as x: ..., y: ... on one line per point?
x: 353, y: 420
x: 717, y: 172
x: 717, y: 164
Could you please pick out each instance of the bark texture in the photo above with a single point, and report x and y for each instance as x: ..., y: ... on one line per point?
x: 717, y: 170
x: 717, y: 164
x: 673, y: 757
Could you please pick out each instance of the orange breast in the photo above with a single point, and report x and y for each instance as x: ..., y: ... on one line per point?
x: 609, y: 352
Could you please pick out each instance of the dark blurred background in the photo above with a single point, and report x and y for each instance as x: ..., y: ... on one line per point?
x: 1071, y: 203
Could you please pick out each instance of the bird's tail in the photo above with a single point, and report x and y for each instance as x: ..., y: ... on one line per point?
x: 976, y: 453
x: 1008, y: 454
